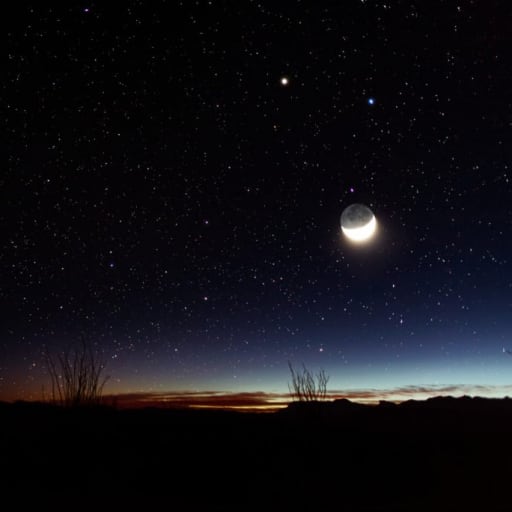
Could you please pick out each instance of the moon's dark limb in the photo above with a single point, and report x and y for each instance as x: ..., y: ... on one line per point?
x: 356, y: 216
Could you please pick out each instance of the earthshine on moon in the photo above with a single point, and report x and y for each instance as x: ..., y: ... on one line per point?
x: 358, y: 223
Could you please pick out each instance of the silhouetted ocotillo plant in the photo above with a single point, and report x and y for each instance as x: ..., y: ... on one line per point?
x: 306, y: 387
x: 76, y: 376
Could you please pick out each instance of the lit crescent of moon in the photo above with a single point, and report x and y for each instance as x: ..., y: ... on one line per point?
x: 363, y: 233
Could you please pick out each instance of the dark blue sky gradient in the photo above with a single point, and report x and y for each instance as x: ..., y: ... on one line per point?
x: 165, y: 195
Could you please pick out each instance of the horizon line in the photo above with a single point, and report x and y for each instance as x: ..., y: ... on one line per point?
x: 262, y: 401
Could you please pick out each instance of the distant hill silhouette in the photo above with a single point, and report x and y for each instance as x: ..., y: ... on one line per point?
x: 437, y: 414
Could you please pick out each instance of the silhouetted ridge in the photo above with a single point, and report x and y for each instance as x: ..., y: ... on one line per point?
x: 437, y: 414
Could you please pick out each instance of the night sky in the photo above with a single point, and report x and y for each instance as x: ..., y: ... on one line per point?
x: 173, y: 176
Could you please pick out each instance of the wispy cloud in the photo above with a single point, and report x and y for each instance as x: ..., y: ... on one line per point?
x: 262, y: 401
x: 203, y: 399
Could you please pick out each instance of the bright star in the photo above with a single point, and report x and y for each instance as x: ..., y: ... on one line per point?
x: 285, y: 80
x: 371, y: 101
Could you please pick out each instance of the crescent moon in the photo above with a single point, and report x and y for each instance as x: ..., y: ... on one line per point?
x: 362, y: 233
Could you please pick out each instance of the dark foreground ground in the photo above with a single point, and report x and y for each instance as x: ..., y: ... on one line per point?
x: 442, y: 454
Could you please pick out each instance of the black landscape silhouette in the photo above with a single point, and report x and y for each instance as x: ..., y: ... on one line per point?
x: 440, y: 454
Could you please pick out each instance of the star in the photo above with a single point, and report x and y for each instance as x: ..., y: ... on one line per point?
x: 285, y: 81
x: 371, y: 101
